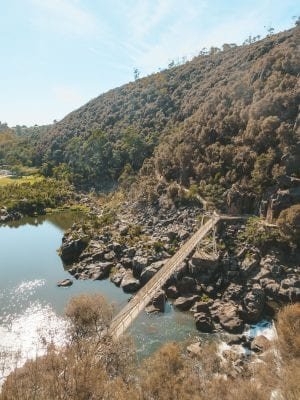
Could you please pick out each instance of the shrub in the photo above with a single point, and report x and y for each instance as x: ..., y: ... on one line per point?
x: 289, y: 223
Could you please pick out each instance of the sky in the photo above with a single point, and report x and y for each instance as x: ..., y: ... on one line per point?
x: 58, y: 54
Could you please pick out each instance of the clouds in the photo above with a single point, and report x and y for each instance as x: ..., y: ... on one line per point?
x: 63, y: 16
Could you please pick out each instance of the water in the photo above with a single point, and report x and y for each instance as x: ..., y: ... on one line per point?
x: 31, y: 305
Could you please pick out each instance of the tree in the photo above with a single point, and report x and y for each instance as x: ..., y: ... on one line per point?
x: 289, y: 223
x: 136, y: 74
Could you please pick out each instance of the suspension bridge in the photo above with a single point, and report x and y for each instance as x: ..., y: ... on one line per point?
x: 143, y: 297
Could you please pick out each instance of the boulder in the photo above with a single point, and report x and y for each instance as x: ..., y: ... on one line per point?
x: 109, y: 256
x: 203, y: 322
x: 100, y: 270
x: 172, y: 292
x: 150, y: 271
x: 71, y: 249
x: 233, y: 292
x: 202, y: 306
x: 129, y: 283
x: 185, y: 303
x: 139, y: 263
x: 227, y: 315
x: 194, y: 349
x: 254, y: 303
x: 260, y: 344
x: 158, y: 303
x: 117, y: 277
x: 187, y: 285
x: 65, y: 283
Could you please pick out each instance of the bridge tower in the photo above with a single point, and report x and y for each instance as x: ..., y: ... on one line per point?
x: 207, y: 248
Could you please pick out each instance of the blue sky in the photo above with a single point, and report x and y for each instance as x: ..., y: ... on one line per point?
x: 58, y: 54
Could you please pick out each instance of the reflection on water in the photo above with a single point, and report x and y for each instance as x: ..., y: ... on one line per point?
x: 31, y: 305
x: 62, y: 220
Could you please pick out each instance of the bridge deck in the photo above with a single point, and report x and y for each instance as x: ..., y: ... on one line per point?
x: 125, y: 317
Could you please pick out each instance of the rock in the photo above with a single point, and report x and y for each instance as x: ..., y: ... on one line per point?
x: 239, y: 201
x: 150, y: 271
x: 65, y: 283
x: 71, y: 249
x: 183, y: 234
x: 271, y: 290
x: 249, y: 266
x: 117, y: 277
x: 109, y: 256
x: 185, y: 303
x: 203, y: 322
x: 138, y: 265
x: 202, y: 306
x: 100, y: 270
x: 172, y: 292
x: 228, y: 316
x: 130, y: 252
x: 129, y: 283
x: 233, y: 292
x: 158, y: 303
x: 187, y: 285
x: 194, y: 349
x: 123, y: 230
x: 254, y: 303
x: 260, y: 344
x: 171, y: 235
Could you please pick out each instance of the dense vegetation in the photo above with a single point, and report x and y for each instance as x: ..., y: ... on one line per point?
x: 223, y: 120
x: 92, y: 366
x: 29, y: 198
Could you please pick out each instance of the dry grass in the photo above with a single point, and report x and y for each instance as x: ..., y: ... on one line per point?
x: 93, y: 367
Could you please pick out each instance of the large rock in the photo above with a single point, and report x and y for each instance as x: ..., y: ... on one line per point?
x: 185, y: 303
x: 187, y: 285
x: 150, y: 271
x: 172, y: 292
x: 233, y: 292
x: 129, y: 283
x: 139, y: 263
x: 202, y: 306
x: 118, y: 276
x: 158, y: 303
x: 70, y: 249
x: 203, y: 322
x: 254, y: 303
x: 227, y: 315
x: 65, y: 283
x: 260, y: 344
x: 100, y: 270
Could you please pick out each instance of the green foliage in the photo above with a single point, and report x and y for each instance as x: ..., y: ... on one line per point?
x: 259, y: 234
x: 289, y: 223
x: 158, y: 246
x: 134, y: 231
x: 36, y: 197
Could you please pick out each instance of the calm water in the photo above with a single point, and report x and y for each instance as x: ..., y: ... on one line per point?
x: 31, y: 305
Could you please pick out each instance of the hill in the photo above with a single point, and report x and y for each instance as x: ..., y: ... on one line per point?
x: 219, y: 121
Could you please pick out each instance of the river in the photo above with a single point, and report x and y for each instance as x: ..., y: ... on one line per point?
x: 31, y: 305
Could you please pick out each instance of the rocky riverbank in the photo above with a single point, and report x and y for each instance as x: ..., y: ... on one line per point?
x: 242, y: 286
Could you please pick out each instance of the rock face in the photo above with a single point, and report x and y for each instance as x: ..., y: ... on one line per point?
x: 65, y: 283
x: 71, y: 249
x: 129, y: 283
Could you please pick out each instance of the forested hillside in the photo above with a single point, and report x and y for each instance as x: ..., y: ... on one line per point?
x: 230, y: 117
